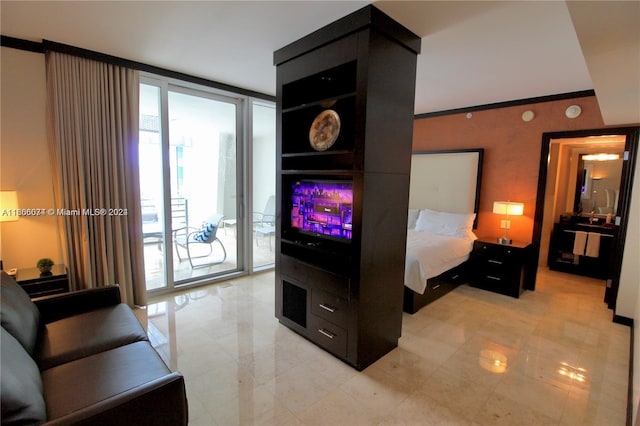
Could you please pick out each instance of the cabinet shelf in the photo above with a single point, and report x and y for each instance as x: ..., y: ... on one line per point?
x: 324, y: 162
x: 326, y: 85
x: 297, y: 123
x: 317, y: 154
x: 323, y: 256
x: 322, y: 103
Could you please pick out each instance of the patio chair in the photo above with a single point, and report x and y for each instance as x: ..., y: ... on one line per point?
x: 153, y: 228
x: 187, y: 238
x: 267, y: 217
x: 264, y: 222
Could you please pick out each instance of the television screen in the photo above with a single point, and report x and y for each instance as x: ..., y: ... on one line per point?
x: 323, y: 208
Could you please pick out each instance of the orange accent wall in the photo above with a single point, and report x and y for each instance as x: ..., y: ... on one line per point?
x: 512, y: 152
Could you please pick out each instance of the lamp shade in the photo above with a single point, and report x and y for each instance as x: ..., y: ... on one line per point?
x: 8, y: 201
x: 508, y: 208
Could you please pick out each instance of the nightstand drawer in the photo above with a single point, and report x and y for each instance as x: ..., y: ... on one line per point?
x: 328, y: 335
x: 37, y: 284
x: 46, y: 288
x: 499, y: 267
x: 329, y: 307
x: 496, y: 254
x: 502, y: 270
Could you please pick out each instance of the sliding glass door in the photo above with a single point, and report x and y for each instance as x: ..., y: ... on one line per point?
x: 264, y: 184
x: 189, y: 178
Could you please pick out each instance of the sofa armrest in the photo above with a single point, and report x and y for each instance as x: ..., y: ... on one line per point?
x: 160, y: 402
x: 58, y: 306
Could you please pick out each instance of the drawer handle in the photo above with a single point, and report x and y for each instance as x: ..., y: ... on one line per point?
x: 326, y: 333
x: 497, y: 262
x: 327, y: 307
x: 491, y: 277
x: 455, y: 277
x: 435, y: 287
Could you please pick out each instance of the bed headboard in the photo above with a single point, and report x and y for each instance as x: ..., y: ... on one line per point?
x: 447, y: 181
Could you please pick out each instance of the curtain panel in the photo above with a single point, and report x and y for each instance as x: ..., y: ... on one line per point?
x: 93, y: 143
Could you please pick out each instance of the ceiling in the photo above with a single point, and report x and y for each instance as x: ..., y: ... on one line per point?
x: 473, y: 52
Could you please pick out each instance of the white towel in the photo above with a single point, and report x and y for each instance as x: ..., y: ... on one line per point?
x: 579, y: 243
x: 593, y: 245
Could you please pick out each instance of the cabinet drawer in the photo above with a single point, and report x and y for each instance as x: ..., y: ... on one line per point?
x: 330, y: 307
x: 46, y: 288
x: 328, y: 335
x: 315, y: 277
x: 496, y: 254
x: 505, y: 271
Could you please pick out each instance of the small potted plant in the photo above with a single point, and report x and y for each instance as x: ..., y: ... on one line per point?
x: 44, y: 265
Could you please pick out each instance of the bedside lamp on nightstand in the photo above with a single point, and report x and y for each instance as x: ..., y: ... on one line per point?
x: 507, y: 208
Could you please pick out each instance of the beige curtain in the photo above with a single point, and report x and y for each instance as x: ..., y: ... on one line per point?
x: 93, y: 142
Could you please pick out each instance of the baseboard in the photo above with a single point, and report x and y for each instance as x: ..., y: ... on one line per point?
x: 619, y: 319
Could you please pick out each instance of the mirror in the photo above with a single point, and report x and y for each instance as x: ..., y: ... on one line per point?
x: 598, y: 182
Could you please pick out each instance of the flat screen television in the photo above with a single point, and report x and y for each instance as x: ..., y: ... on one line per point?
x: 323, y: 208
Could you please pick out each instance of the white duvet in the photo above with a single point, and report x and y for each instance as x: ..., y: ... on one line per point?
x: 429, y: 255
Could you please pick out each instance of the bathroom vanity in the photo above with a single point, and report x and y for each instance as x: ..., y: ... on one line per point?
x: 583, y: 246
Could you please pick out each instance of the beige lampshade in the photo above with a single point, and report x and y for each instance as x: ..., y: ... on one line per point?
x: 508, y: 208
x: 8, y: 202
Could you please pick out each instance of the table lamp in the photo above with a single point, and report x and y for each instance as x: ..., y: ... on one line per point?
x: 507, y: 208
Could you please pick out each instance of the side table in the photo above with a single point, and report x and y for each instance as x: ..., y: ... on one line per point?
x: 37, y: 284
x: 501, y: 268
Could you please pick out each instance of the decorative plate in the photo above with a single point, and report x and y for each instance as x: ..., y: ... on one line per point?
x: 324, y: 130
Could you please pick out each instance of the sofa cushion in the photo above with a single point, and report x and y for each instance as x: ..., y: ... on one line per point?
x: 92, y: 380
x: 19, y: 316
x: 86, y: 334
x: 20, y: 384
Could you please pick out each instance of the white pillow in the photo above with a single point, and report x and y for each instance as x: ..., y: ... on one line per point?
x: 413, y: 217
x: 448, y: 224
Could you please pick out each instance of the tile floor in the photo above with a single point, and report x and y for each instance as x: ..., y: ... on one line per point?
x: 470, y: 358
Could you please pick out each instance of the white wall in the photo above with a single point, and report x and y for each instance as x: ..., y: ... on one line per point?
x: 628, y: 303
x: 264, y: 155
x: 628, y: 295
x: 24, y: 160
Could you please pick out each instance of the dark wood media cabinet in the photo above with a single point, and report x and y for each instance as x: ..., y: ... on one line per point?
x: 345, y: 294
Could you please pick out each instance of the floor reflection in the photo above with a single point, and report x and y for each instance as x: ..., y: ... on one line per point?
x: 472, y: 357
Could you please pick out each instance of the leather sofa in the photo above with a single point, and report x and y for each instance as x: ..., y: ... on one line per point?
x: 82, y: 358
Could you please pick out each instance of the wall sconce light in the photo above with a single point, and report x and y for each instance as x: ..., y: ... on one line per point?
x: 507, y: 208
x: 528, y: 115
x: 8, y: 205
x: 573, y: 111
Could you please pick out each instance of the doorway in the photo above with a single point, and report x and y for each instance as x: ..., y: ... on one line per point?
x: 546, y: 208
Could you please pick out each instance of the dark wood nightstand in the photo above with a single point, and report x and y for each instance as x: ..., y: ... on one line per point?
x: 501, y: 268
x: 37, y: 285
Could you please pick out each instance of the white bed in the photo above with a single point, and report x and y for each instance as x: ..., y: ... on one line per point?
x: 429, y: 255
x: 444, y: 197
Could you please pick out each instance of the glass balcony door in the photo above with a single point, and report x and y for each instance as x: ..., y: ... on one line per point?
x: 264, y: 184
x: 188, y: 184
